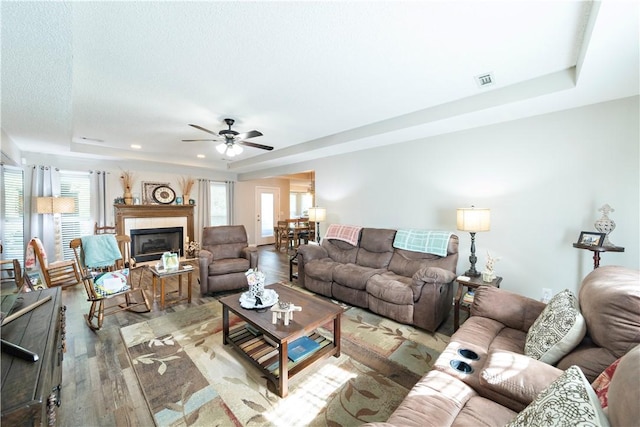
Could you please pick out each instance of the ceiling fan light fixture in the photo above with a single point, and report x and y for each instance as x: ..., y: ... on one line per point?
x: 236, y: 149
x: 221, y: 148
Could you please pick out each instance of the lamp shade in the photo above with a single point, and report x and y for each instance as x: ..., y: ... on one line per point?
x: 53, y: 205
x: 474, y: 219
x: 317, y: 214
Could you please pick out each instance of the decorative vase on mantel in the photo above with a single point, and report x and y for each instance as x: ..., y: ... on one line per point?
x: 128, y: 197
x: 605, y: 224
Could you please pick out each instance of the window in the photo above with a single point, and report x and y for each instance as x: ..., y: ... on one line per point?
x: 299, y: 204
x: 219, y: 203
x: 12, y: 210
x: 79, y: 223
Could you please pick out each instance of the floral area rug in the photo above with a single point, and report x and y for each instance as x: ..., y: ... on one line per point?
x: 190, y: 378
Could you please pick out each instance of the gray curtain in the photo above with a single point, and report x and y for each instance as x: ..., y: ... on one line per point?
x: 202, y: 217
x: 43, y: 181
x: 231, y: 201
x: 99, y: 204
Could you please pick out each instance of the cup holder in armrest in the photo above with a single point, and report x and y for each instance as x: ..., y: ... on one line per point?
x: 461, y: 366
x: 468, y: 354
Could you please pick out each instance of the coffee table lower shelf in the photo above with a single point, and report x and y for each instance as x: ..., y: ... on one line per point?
x: 267, y: 356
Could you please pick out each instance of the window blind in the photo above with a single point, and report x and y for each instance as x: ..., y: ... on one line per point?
x: 12, y: 214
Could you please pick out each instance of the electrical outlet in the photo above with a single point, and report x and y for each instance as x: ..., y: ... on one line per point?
x: 546, y: 295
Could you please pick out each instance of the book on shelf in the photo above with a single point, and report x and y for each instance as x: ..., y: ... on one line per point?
x: 254, y: 331
x: 301, y: 348
x: 468, y: 297
x: 269, y: 341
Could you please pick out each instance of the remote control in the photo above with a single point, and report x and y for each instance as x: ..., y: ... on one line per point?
x: 17, y: 351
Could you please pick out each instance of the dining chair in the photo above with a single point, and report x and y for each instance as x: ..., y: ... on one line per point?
x: 285, y: 235
x: 117, y: 281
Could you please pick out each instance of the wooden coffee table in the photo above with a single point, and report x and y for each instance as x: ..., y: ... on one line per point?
x: 272, y: 360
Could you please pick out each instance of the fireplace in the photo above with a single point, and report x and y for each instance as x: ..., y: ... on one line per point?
x: 148, y: 244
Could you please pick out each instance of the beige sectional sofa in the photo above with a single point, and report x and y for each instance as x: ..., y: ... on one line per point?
x: 501, y: 382
x: 411, y: 287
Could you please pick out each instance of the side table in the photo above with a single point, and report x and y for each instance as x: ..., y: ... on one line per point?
x: 293, y: 260
x: 161, y: 275
x: 473, y: 283
x: 596, y: 251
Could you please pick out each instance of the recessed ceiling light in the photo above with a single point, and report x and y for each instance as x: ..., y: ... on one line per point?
x: 136, y: 146
x: 201, y: 156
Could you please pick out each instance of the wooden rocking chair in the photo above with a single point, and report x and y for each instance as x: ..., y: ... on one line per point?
x: 59, y: 273
x: 128, y: 297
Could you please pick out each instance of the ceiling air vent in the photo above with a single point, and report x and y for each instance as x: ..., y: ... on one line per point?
x: 484, y: 80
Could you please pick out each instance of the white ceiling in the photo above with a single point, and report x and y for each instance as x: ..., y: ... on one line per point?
x: 316, y: 78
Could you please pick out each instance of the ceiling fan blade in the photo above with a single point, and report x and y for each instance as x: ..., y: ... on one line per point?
x: 203, y: 129
x: 247, y: 135
x: 198, y: 140
x: 253, y: 144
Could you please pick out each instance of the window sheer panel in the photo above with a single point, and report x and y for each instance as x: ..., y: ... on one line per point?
x: 219, y: 204
x: 80, y: 222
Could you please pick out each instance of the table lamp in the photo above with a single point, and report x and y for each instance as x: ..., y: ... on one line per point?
x: 473, y: 220
x: 54, y: 206
x: 316, y: 215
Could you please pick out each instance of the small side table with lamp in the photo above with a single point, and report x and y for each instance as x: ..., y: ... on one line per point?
x: 317, y: 215
x: 473, y: 220
x: 471, y: 284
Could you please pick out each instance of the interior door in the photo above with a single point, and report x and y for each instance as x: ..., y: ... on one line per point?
x: 267, y: 207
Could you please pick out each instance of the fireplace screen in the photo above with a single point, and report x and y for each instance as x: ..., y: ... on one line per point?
x: 148, y: 244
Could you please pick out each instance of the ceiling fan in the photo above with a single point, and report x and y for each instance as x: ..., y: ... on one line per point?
x: 231, y: 139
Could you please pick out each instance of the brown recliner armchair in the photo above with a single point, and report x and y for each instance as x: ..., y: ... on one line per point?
x: 224, y: 258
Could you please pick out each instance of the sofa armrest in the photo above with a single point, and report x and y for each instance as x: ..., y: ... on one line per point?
x: 204, y: 259
x: 516, y: 376
x: 513, y: 310
x: 308, y: 253
x: 430, y: 275
x: 251, y: 253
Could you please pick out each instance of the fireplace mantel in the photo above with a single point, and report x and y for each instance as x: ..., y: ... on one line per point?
x: 123, y: 212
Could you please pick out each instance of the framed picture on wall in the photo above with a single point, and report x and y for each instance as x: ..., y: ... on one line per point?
x: 147, y: 192
x: 589, y: 238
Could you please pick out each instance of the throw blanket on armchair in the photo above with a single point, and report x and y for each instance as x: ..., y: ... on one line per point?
x: 430, y: 242
x: 100, y: 250
x: 346, y: 233
x: 30, y: 258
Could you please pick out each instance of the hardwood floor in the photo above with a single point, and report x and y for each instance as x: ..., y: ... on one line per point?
x: 99, y: 386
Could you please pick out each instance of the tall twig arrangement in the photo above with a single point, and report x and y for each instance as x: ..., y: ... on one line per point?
x: 186, y: 184
x: 127, y: 181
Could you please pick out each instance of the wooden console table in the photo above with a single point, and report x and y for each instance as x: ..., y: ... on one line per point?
x: 31, y: 390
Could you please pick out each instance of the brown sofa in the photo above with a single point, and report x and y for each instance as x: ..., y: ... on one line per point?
x: 504, y: 381
x: 410, y: 287
x: 224, y: 258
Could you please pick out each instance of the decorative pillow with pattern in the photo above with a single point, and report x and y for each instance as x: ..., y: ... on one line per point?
x: 558, y: 330
x: 568, y: 401
x: 111, y: 282
x: 601, y: 384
